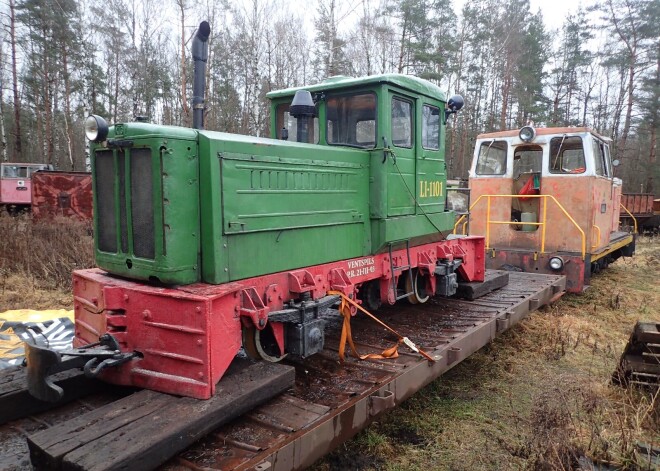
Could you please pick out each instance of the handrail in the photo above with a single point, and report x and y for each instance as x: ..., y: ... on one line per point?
x: 592, y: 245
x: 630, y: 214
x: 542, y: 224
x: 458, y: 221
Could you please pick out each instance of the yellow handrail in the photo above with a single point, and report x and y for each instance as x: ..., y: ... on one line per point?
x: 596, y: 245
x: 542, y: 224
x: 630, y: 214
x: 458, y: 221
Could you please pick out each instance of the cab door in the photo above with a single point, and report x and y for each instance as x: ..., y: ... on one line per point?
x: 401, y: 172
x: 431, y: 171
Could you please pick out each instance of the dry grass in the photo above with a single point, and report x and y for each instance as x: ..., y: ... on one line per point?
x: 539, y: 397
x: 37, y: 258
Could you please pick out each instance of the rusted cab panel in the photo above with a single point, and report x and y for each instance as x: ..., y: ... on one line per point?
x: 66, y: 194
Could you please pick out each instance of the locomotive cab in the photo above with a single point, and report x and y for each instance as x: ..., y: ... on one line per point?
x: 547, y: 201
x: 399, y: 121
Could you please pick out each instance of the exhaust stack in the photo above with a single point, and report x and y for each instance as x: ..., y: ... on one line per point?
x: 200, y: 52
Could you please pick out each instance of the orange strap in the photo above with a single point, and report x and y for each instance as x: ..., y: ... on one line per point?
x: 392, y: 352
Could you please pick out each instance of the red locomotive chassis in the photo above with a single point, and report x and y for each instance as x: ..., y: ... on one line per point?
x: 187, y: 336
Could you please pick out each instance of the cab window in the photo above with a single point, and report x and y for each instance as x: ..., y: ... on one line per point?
x: 567, y: 155
x: 402, y: 124
x: 351, y: 120
x: 492, y: 158
x: 430, y: 127
x: 600, y: 158
x: 15, y: 171
x: 289, y: 123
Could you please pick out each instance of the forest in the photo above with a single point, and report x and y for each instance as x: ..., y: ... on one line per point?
x: 63, y: 59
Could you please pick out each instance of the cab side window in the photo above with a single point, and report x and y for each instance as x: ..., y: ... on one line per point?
x: 351, y: 120
x: 430, y: 127
x: 492, y: 158
x: 402, y: 123
x: 600, y: 159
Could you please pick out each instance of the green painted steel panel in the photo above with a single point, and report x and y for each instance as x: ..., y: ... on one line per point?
x: 256, y: 253
x: 156, y: 204
x: 289, y: 201
x: 418, y: 228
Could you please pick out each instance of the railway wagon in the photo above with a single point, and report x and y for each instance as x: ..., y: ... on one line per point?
x: 207, y: 242
x: 547, y: 201
x: 640, y: 211
x: 16, y: 185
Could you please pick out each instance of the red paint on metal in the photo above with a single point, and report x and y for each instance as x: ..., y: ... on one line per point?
x: 639, y: 204
x: 15, y: 191
x: 188, y: 336
x: 66, y: 194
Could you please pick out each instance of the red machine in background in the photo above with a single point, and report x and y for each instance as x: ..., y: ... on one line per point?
x: 16, y: 185
x: 44, y: 191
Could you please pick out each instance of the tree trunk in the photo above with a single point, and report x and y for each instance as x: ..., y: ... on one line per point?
x: 184, y: 99
x: 3, y: 133
x: 67, y: 106
x: 14, y: 77
x: 650, y: 186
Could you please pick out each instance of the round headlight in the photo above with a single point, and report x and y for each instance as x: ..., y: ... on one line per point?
x: 556, y: 263
x: 527, y: 133
x: 96, y: 128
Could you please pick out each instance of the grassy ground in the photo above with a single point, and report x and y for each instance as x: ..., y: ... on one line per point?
x: 538, y: 398
x: 36, y: 261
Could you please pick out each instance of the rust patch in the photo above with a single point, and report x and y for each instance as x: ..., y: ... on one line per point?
x: 67, y: 194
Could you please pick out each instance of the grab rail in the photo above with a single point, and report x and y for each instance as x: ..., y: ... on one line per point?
x: 593, y: 246
x: 630, y: 214
x: 542, y: 223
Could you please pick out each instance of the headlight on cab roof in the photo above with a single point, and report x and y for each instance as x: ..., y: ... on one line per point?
x: 527, y: 133
x: 96, y: 128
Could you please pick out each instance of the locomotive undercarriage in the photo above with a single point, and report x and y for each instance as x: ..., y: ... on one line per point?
x: 182, y: 340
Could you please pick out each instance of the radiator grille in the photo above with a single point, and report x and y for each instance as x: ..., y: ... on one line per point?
x: 125, y: 180
x: 105, y: 201
x: 121, y: 167
x: 142, y: 206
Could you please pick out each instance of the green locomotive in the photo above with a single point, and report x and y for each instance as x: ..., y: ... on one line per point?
x: 208, y: 242
x: 181, y: 205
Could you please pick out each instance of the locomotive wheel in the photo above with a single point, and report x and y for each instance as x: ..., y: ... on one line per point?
x: 261, y: 344
x: 419, y: 293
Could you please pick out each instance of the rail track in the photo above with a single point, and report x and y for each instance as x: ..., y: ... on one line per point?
x: 329, y: 403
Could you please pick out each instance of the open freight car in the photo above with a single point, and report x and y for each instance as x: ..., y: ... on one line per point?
x: 207, y: 242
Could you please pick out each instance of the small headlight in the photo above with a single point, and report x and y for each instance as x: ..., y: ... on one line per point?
x: 96, y: 128
x: 527, y: 133
x: 556, y: 263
